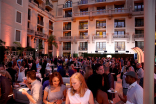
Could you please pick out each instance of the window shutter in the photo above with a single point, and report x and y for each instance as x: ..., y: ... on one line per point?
x: 18, y: 17
x: 59, y: 11
x: 18, y: 35
x: 19, y: 2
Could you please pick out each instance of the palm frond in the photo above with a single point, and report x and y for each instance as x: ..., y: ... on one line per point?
x: 52, y: 40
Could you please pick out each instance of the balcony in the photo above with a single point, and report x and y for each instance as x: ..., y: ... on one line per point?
x: 100, y: 49
x: 100, y: 0
x: 138, y: 37
x: 139, y: 25
x: 65, y: 38
x: 50, y: 27
x: 31, y: 32
x: 119, y: 26
x: 138, y: 12
x: 66, y: 28
x: 41, y: 35
x: 49, y: 5
x: 119, y: 11
x: 101, y: 27
x: 41, y: 23
x: 83, y: 48
x: 66, y: 48
x: 100, y: 37
x: 83, y: 2
x: 121, y: 37
x: 42, y: 8
x: 81, y: 14
x: 67, y: 7
x: 100, y: 12
x: 83, y: 27
x: 81, y: 38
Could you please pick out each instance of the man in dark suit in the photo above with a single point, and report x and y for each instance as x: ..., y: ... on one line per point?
x: 5, y: 86
x: 11, y: 71
x: 110, y: 80
x: 93, y: 66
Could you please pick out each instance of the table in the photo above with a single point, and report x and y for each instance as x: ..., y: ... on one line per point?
x: 19, y: 97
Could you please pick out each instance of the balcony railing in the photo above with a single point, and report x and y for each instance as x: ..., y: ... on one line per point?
x: 100, y: 0
x: 99, y: 36
x: 100, y: 49
x: 67, y: 6
x: 83, y: 27
x: 100, y: 12
x: 66, y: 28
x: 137, y: 10
x: 139, y: 36
x: 119, y: 26
x: 139, y: 24
x: 120, y: 36
x: 51, y: 27
x: 42, y: 8
x: 66, y: 48
x: 41, y: 34
x: 99, y: 27
x: 49, y: 5
x: 40, y: 23
x: 82, y: 14
x: 67, y: 16
x: 83, y: 2
x: 31, y: 32
x: 66, y: 38
x: 83, y: 48
x: 119, y: 10
x: 82, y: 37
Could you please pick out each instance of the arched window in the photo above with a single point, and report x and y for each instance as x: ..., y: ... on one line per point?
x: 68, y: 4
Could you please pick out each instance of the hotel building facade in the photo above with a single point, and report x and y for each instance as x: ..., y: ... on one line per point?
x: 85, y: 26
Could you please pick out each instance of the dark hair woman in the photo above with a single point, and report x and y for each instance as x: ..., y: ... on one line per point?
x: 100, y: 96
x: 56, y: 91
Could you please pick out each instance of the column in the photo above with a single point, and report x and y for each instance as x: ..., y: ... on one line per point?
x: 149, y: 42
x: 29, y: 41
x: 43, y: 51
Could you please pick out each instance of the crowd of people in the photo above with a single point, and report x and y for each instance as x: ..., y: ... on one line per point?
x: 90, y: 79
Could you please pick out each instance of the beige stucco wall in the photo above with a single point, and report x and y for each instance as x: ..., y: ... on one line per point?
x: 8, y: 21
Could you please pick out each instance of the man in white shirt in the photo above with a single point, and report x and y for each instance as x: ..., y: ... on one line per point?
x: 135, y: 91
x: 36, y: 88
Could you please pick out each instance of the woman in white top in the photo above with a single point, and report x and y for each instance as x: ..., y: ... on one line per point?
x: 21, y: 73
x: 79, y: 93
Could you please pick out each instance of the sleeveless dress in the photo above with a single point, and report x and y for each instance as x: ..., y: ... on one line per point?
x: 21, y: 75
x: 52, y: 96
x: 76, y: 99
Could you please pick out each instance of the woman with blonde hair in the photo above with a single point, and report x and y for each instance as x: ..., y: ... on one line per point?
x: 79, y: 93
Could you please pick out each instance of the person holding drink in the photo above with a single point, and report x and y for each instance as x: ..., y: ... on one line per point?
x: 36, y: 88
